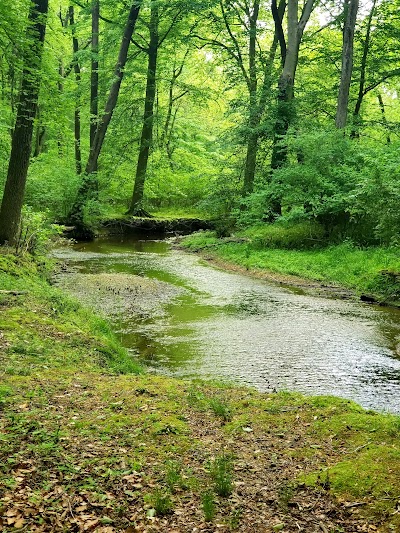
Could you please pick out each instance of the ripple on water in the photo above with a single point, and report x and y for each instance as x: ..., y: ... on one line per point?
x: 225, y: 325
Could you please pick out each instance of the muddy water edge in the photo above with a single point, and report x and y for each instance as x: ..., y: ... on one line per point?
x: 183, y: 317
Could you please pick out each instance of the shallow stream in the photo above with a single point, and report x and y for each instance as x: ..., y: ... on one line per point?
x: 186, y: 318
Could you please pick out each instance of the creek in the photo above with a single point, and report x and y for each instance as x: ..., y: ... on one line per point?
x: 183, y: 317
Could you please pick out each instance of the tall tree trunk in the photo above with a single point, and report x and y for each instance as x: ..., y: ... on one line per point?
x: 361, y: 88
x: 39, y: 135
x: 94, y: 77
x: 351, y: 9
x: 77, y: 114
x: 13, y: 197
x: 89, y: 184
x: 257, y: 107
x: 285, y: 104
x: 253, y: 123
x: 148, y: 117
x: 290, y: 58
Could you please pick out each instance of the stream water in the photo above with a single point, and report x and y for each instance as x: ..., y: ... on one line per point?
x: 198, y: 321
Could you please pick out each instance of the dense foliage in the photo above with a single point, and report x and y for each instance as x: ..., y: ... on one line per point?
x: 203, y: 116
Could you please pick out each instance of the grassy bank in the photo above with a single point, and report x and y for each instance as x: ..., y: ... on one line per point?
x: 87, y: 444
x: 371, y: 271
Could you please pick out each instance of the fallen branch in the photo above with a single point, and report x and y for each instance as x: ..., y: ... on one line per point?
x: 14, y: 293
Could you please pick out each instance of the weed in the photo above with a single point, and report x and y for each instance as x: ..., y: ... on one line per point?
x: 161, y: 501
x: 234, y: 519
x: 195, y: 396
x: 208, y: 505
x: 221, y: 470
x: 4, y: 393
x: 173, y: 476
x: 221, y: 409
x: 285, y: 494
x: 394, y: 428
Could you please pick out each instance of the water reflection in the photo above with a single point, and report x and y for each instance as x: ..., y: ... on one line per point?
x: 224, y: 325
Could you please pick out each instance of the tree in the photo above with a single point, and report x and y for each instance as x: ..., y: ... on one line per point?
x: 290, y: 48
x: 148, y: 117
x: 94, y: 78
x: 13, y: 197
x: 89, y: 183
x: 350, y: 10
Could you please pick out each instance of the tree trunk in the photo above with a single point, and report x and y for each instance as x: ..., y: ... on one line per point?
x: 39, y: 136
x: 361, y: 88
x: 254, y: 122
x: 258, y: 107
x: 94, y: 77
x: 148, y: 117
x: 286, y: 88
x: 89, y: 184
x: 383, y: 113
x: 77, y: 114
x: 13, y: 197
x: 285, y: 104
x: 351, y: 8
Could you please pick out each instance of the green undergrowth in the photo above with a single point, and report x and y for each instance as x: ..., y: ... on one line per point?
x: 373, y: 270
x: 111, y: 452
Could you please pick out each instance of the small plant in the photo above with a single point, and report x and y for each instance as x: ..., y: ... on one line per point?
x: 221, y: 470
x: 161, y: 502
x: 234, y: 519
x: 4, y: 393
x: 208, y: 505
x: 285, y: 494
x: 195, y: 396
x: 221, y: 409
x: 394, y: 429
x: 173, y: 475
x: 35, y: 233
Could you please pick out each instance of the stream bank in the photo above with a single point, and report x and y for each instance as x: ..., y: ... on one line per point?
x: 371, y: 275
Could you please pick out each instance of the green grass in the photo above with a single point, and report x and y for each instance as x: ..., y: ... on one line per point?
x: 44, y: 327
x: 343, y: 264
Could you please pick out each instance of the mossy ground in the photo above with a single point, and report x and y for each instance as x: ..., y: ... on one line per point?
x: 86, y: 448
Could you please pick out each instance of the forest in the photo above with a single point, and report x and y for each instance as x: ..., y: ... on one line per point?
x: 251, y: 113
x: 244, y: 377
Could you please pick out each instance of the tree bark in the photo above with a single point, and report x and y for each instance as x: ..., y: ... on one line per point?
x: 148, y: 117
x: 94, y: 76
x: 351, y: 9
x: 14, y: 191
x: 361, y: 88
x: 77, y: 114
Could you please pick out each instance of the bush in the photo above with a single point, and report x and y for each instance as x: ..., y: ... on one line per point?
x: 36, y: 232
x: 303, y: 235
